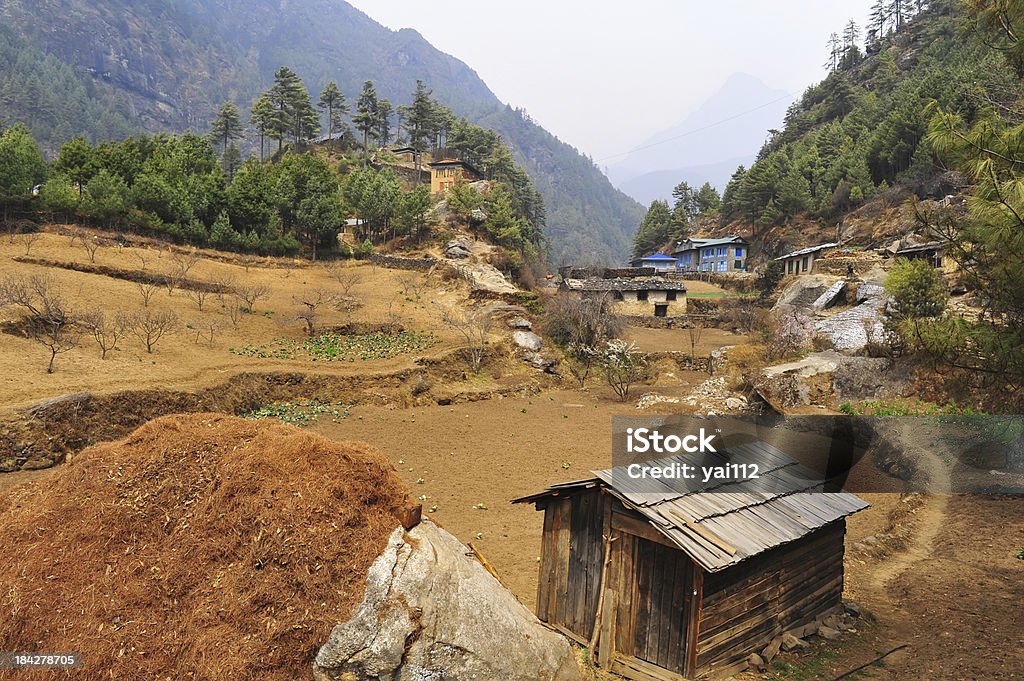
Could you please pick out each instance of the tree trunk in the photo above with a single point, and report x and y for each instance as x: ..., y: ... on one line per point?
x: 53, y: 356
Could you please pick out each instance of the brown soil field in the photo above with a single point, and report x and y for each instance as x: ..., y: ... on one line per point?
x: 678, y: 340
x: 179, y: 361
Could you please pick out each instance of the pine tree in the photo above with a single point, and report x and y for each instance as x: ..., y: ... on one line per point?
x: 880, y: 16
x: 286, y: 97
x: 419, y: 116
x: 227, y: 126
x: 262, y: 116
x: 332, y: 100
x: 384, y: 113
x: 835, y: 51
x: 366, y: 120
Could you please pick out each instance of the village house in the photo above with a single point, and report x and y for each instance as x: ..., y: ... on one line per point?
x: 727, y: 254
x: 444, y: 174
x: 686, y: 583
x: 802, y: 261
x: 659, y: 261
x: 635, y: 296
x: 933, y: 252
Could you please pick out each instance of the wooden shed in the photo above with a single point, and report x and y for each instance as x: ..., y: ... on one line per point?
x: 679, y: 582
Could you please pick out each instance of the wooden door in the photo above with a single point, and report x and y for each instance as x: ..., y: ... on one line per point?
x: 655, y: 609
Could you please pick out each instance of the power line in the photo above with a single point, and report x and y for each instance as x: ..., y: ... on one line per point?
x: 701, y: 129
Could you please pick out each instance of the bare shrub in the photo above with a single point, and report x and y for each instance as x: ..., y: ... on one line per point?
x: 91, y: 246
x: 143, y: 256
x: 580, y: 325
x: 233, y: 311
x: 198, y: 294
x: 51, y: 321
x: 413, y: 283
x: 106, y: 331
x: 30, y: 239
x: 695, y: 330
x: 786, y: 335
x: 212, y: 326
x: 147, y: 290
x: 310, y: 302
x: 474, y: 326
x: 742, y: 314
x: 623, y: 366
x: 251, y: 294
x: 150, y: 326
x: 183, y: 261
x: 225, y: 285
x: 347, y: 277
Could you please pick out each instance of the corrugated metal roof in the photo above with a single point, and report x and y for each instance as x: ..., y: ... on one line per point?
x: 638, y: 284
x: 807, y: 251
x: 723, y: 522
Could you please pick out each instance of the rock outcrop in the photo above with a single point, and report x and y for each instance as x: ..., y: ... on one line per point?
x: 826, y: 379
x: 804, y: 290
x: 432, y: 612
x: 851, y: 330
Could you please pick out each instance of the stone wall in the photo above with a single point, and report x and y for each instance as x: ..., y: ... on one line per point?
x: 396, y: 262
x: 630, y: 306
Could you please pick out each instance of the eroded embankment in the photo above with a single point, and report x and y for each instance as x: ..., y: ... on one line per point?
x: 45, y: 433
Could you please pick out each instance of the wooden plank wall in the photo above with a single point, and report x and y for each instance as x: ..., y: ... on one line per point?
x: 745, y: 607
x: 572, y: 557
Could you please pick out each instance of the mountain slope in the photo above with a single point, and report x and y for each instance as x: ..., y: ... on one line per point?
x: 174, y: 62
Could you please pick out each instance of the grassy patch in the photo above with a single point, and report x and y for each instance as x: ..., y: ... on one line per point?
x: 905, y: 408
x: 298, y: 413
x: 330, y: 347
x: 806, y: 669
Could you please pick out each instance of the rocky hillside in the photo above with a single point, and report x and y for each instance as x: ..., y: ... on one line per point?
x: 166, y: 66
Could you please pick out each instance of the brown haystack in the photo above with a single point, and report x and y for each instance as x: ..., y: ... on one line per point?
x: 199, y: 547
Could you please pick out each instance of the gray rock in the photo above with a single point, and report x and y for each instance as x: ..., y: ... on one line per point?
x: 804, y: 290
x: 755, y: 661
x: 735, y: 403
x: 828, y: 298
x: 851, y: 330
x: 828, y: 633
x: 539, y: 361
x: 829, y: 378
x: 868, y: 290
x: 528, y: 340
x: 851, y: 608
x: 458, y: 248
x: 430, y: 612
x: 520, y: 323
x: 791, y: 642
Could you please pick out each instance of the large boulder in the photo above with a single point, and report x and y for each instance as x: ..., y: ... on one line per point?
x: 828, y: 298
x: 851, y: 330
x: 432, y: 612
x: 527, y: 340
x: 458, y: 248
x: 804, y: 290
x: 827, y: 379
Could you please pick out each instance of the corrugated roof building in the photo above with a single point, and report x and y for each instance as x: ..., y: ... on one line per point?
x: 694, y: 576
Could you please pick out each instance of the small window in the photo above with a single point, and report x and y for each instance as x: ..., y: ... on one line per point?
x: 660, y: 310
x: 617, y: 295
x: 641, y: 295
x: 739, y: 251
x: 805, y: 263
x: 737, y: 265
x: 670, y: 295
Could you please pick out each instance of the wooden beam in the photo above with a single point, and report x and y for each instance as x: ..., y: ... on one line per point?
x: 640, y: 528
x: 693, y: 621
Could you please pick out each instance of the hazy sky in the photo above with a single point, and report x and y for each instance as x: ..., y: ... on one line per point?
x: 603, y: 76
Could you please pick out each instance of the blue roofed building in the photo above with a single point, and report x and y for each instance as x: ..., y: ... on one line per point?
x: 726, y: 254
x: 659, y: 261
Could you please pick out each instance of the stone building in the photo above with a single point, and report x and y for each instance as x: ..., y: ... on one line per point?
x: 635, y: 296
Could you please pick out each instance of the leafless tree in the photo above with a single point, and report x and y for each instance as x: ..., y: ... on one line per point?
x: 198, y: 293
x: 233, y: 311
x: 695, y: 331
x: 310, y: 302
x: 413, y: 283
x: 35, y: 294
x: 30, y: 239
x: 251, y: 294
x: 106, y: 331
x: 147, y: 290
x: 143, y: 256
x: 474, y: 325
x: 91, y: 245
x: 347, y: 277
x: 289, y: 266
x: 225, y: 285
x: 212, y: 325
x: 56, y: 331
x: 183, y: 262
x: 150, y: 326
